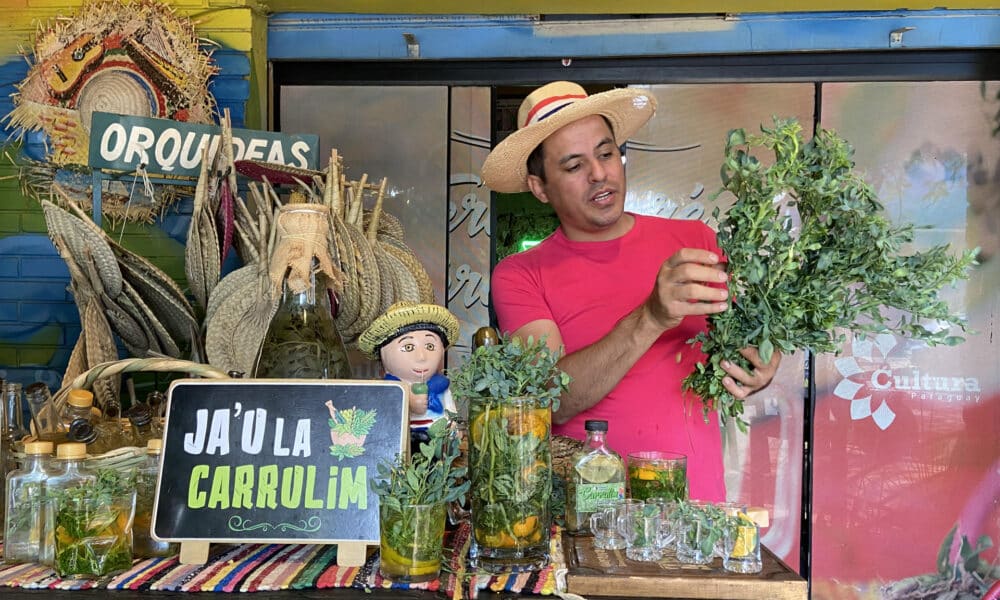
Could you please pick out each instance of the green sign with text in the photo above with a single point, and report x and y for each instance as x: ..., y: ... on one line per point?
x: 167, y: 147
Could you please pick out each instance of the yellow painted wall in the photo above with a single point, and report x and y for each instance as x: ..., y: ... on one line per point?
x: 621, y: 7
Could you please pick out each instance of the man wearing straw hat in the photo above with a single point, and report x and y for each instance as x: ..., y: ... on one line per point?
x: 621, y: 292
x: 410, y: 340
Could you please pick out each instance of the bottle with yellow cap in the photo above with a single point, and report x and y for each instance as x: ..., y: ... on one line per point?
x: 143, y: 544
x: 24, y: 535
x: 78, y: 416
x: 85, y: 424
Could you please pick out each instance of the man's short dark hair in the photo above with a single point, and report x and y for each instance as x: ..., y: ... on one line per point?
x: 536, y: 160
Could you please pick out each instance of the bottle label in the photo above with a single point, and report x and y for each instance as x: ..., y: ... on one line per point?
x: 589, y: 495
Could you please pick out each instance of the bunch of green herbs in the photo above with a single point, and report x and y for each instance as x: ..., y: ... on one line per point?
x: 800, y: 287
x: 431, y: 476
x: 703, y: 525
x: 514, y: 368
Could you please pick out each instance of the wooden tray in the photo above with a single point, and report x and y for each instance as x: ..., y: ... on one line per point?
x: 608, y: 573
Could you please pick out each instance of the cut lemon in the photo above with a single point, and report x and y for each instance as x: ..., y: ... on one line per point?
x: 599, y: 469
x: 746, y: 541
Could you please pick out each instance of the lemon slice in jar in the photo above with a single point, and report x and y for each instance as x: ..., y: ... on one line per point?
x: 598, y: 469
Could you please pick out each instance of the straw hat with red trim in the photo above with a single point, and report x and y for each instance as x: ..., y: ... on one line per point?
x: 548, y: 109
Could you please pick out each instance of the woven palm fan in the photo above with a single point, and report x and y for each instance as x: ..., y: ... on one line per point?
x: 155, y: 288
x: 201, y: 252
x: 275, y: 173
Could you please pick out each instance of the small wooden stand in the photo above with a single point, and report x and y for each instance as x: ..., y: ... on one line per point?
x: 193, y: 553
x: 607, y: 573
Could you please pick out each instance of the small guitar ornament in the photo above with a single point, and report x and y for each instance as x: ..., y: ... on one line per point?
x: 64, y: 70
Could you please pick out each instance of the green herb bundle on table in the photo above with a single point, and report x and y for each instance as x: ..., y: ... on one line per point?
x: 511, y: 389
x: 413, y: 496
x: 795, y: 285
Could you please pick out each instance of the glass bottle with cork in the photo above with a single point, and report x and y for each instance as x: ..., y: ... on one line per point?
x: 597, y: 475
x: 71, y: 472
x: 24, y: 535
x: 302, y: 340
x: 85, y: 424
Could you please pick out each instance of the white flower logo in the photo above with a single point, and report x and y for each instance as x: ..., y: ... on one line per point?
x: 866, y: 375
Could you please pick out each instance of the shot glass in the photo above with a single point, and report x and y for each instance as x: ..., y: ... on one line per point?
x: 604, y: 525
x: 666, y: 536
x: 641, y: 529
x: 742, y: 548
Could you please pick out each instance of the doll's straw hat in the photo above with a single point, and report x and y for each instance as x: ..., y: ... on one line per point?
x: 548, y: 109
x: 403, y: 317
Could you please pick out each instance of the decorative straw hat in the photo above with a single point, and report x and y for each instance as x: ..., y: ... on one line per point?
x: 548, y: 109
x: 407, y: 316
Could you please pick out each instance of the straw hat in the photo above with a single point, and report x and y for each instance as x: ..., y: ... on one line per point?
x: 403, y: 317
x: 548, y: 109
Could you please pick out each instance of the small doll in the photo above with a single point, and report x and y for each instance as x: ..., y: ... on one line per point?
x: 410, y: 340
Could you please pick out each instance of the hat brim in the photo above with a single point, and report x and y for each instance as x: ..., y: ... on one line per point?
x: 506, y: 168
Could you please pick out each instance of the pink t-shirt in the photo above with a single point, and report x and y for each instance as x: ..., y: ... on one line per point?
x: 586, y: 288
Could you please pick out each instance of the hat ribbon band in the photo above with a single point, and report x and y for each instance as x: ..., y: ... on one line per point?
x: 565, y: 101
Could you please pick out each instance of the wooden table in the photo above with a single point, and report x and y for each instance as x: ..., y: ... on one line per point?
x: 594, y: 572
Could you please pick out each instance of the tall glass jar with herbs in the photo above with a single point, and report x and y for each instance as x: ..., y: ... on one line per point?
x: 24, y: 536
x: 302, y: 340
x: 511, y: 389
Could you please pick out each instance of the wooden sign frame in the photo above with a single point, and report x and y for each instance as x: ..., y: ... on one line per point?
x: 276, y: 461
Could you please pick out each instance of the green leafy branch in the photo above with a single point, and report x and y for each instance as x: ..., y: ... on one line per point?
x: 514, y: 368
x: 967, y: 578
x: 429, y: 477
x: 843, y: 269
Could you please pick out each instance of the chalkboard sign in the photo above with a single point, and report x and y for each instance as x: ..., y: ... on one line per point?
x: 282, y: 461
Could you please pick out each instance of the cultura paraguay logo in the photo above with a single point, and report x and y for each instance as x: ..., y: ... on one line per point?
x: 870, y: 377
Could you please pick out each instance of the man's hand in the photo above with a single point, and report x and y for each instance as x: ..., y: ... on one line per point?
x: 740, y: 383
x: 684, y: 286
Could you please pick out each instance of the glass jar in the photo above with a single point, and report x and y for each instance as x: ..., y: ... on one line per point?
x: 302, y: 341
x: 411, y: 539
x: 143, y: 543
x: 657, y: 475
x: 24, y: 535
x: 597, y: 475
x: 511, y: 470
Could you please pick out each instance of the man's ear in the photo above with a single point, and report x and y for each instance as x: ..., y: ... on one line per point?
x: 537, y: 187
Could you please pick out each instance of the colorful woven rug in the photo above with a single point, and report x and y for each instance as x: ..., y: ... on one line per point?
x: 266, y: 567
